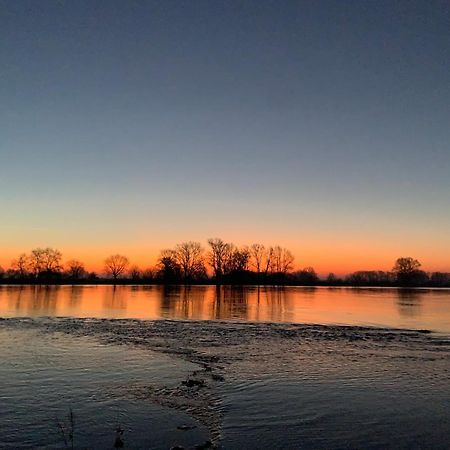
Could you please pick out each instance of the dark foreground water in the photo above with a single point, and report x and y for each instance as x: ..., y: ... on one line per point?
x: 240, y: 383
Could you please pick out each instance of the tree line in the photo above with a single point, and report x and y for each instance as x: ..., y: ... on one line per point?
x: 220, y: 263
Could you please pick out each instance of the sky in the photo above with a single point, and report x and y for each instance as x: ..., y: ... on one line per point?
x: 321, y: 126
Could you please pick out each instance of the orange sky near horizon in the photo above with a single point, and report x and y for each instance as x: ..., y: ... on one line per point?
x: 330, y: 240
x: 131, y: 129
x: 339, y: 257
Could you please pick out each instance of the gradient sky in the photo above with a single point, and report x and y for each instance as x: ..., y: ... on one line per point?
x: 323, y: 126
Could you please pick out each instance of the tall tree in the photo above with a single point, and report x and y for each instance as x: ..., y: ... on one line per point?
x: 45, y: 261
x: 281, y: 260
x: 406, y: 265
x: 407, y: 271
x: 219, y: 256
x: 239, y: 260
x: 257, y: 253
x: 189, y: 256
x: 116, y: 265
x: 20, y: 266
x: 268, y: 260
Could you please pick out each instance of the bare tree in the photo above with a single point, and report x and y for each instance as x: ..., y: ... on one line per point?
x: 20, y: 265
x: 135, y: 273
x: 287, y: 261
x: 75, y: 269
x: 279, y: 260
x: 36, y: 261
x: 239, y: 260
x: 115, y: 265
x: 268, y: 260
x: 218, y: 256
x: 257, y: 253
x: 45, y: 260
x: 52, y: 260
x: 189, y: 256
x: 149, y: 273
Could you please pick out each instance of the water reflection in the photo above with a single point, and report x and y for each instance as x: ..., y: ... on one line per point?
x: 76, y: 295
x: 409, y: 302
x: 115, y: 298
x: 380, y: 307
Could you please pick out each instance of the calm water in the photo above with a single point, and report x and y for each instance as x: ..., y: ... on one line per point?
x: 285, y: 386
x: 414, y: 309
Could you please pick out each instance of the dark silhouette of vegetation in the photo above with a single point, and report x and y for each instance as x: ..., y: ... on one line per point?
x: 307, y: 276
x: 116, y: 265
x: 75, y: 269
x: 408, y: 273
x: 221, y: 263
x: 370, y: 278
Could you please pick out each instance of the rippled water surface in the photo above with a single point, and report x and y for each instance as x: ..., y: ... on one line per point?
x: 43, y: 376
x: 268, y: 368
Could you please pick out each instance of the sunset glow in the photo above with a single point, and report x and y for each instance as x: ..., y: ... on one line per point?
x: 274, y: 131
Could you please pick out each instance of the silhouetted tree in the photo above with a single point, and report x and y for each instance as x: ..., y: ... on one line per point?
x: 20, y: 266
x: 257, y: 253
x: 440, y: 279
x: 281, y: 260
x: 149, y: 273
x: 370, y: 278
x: 236, y: 266
x: 268, y: 263
x: 331, y: 278
x: 92, y: 276
x: 116, y: 265
x: 189, y: 256
x: 169, y: 269
x: 219, y: 256
x: 45, y: 262
x: 135, y: 273
x: 406, y: 265
x: 75, y: 269
x: 408, y: 271
x: 307, y: 276
x: 239, y: 260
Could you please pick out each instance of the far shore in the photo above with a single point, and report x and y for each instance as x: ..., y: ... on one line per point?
x: 127, y: 282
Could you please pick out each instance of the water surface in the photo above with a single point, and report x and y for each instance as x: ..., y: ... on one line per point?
x: 397, y: 308
x: 358, y: 376
x: 45, y: 375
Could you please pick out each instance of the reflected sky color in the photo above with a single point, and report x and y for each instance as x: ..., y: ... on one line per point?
x: 320, y: 126
x: 411, y: 309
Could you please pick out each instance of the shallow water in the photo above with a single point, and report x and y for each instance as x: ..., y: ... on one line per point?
x: 398, y: 308
x: 265, y: 383
x: 43, y: 376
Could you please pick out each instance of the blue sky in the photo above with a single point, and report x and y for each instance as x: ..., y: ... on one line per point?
x: 134, y: 125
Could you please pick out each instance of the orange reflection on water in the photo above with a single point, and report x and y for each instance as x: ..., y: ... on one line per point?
x: 424, y: 309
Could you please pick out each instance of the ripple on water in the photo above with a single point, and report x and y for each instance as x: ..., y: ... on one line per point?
x: 43, y: 375
x: 296, y: 386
